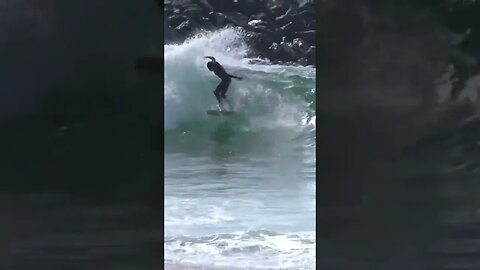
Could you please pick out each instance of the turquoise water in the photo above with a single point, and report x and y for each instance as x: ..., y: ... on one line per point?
x: 239, y: 190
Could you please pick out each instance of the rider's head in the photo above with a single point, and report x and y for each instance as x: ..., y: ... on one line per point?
x: 210, y: 66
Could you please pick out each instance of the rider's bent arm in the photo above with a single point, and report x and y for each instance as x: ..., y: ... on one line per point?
x: 211, y: 58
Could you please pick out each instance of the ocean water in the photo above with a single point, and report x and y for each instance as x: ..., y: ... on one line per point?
x: 239, y: 190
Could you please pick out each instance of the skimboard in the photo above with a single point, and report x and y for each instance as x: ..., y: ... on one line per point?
x: 218, y: 113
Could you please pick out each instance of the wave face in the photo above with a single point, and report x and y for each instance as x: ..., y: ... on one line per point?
x: 269, y: 98
x: 239, y: 190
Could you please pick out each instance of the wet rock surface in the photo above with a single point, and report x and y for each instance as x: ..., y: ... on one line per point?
x: 277, y: 30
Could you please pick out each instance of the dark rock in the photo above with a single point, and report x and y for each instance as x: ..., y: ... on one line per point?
x: 282, y: 52
x: 293, y: 26
x: 310, y: 13
x: 262, y: 29
x: 176, y: 20
x: 249, y: 7
x: 260, y: 42
x: 207, y: 25
x: 307, y: 5
x: 271, y: 33
x: 307, y: 17
x: 308, y: 36
x: 246, y: 7
x: 222, y: 19
x: 167, y: 11
x: 219, y: 5
x: 181, y: 3
x: 190, y: 6
x: 217, y: 19
x: 279, y: 7
x: 259, y: 16
x: 290, y: 53
x: 193, y: 13
x: 185, y: 28
x: 301, y: 19
x: 275, y: 52
x: 277, y: 11
x: 302, y: 61
x: 236, y: 18
x: 300, y: 45
x: 168, y: 32
x: 286, y: 39
x: 285, y: 18
x: 262, y: 24
x: 207, y: 5
x: 311, y: 55
x: 280, y: 21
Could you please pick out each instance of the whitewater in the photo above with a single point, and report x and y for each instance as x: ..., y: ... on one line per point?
x: 239, y: 190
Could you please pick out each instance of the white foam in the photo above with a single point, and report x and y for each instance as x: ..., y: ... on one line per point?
x: 258, y: 249
x: 193, y: 212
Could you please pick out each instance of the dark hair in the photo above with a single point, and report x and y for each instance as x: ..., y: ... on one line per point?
x: 210, y: 66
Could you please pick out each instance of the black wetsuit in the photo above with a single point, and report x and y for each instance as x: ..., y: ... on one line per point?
x: 222, y: 88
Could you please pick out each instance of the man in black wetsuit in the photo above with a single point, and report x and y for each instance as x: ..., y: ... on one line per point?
x: 222, y: 88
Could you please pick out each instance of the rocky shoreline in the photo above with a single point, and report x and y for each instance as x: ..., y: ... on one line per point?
x: 282, y: 31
